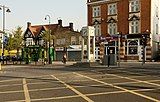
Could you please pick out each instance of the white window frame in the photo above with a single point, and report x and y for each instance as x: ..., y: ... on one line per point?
x: 112, y: 28
x: 132, y: 46
x: 134, y: 6
x: 29, y: 41
x: 97, y: 29
x: 112, y: 9
x: 96, y: 11
x: 134, y: 27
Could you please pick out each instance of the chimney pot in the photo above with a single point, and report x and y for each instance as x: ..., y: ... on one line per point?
x: 28, y: 24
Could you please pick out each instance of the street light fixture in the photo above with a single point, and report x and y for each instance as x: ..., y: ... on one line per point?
x: 49, y: 59
x: 3, y: 8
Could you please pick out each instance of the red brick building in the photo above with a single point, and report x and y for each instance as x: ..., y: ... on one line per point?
x: 132, y: 19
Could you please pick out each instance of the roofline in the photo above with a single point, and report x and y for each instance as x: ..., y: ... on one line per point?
x: 101, y: 2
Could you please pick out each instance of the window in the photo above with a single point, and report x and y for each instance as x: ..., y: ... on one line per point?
x: 29, y: 41
x: 41, y: 42
x: 73, y: 40
x: 134, y: 6
x: 134, y: 27
x: 97, y: 30
x: 112, y: 28
x: 133, y: 47
x: 96, y: 11
x: 112, y: 9
x: 80, y: 39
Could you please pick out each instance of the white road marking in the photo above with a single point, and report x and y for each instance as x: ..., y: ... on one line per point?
x: 121, y: 88
x: 74, y: 90
x: 26, y: 92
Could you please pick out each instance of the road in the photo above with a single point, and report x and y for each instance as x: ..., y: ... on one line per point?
x: 61, y: 83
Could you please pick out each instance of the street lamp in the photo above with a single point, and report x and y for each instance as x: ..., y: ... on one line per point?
x: 4, y: 9
x: 49, y: 59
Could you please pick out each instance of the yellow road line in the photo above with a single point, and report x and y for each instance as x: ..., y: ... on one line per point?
x: 121, y: 88
x: 55, y: 98
x: 26, y: 92
x: 140, y: 81
x: 10, y: 85
x: 74, y: 90
x: 16, y: 101
x: 10, y: 80
x: 9, y: 92
x: 116, y: 92
x: 92, y: 94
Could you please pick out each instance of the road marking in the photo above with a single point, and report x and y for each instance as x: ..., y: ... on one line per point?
x: 121, y: 88
x: 134, y: 82
x: 26, y: 92
x: 10, y: 80
x: 9, y: 92
x: 17, y: 101
x: 55, y: 98
x: 74, y: 90
x: 116, y: 92
x: 93, y: 94
x: 140, y: 81
x: 10, y: 85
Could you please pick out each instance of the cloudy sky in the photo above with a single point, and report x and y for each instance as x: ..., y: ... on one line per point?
x: 34, y: 11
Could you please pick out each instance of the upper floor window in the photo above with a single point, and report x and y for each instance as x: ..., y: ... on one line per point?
x: 96, y: 11
x: 112, y: 28
x: 112, y: 9
x: 134, y: 27
x: 73, y: 40
x: 80, y: 39
x: 134, y: 6
x: 29, y: 41
x: 97, y: 29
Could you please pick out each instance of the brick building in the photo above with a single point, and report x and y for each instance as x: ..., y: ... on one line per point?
x: 61, y: 38
x: 131, y: 19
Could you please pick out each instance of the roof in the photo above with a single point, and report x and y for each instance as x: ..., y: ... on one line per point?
x: 36, y: 29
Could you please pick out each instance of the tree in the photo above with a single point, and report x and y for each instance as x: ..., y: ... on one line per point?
x: 17, y: 39
x: 9, y: 45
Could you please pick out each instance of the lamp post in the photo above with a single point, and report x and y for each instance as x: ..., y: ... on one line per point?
x: 49, y: 59
x: 4, y: 9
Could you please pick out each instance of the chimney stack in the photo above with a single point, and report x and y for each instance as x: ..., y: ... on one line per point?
x: 60, y: 22
x: 28, y: 24
x: 71, y: 26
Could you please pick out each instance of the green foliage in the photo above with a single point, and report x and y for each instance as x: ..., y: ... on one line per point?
x: 10, y: 42
x: 45, y: 35
x: 15, y: 40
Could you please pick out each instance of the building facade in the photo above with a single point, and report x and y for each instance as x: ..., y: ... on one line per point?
x: 61, y: 38
x: 130, y: 19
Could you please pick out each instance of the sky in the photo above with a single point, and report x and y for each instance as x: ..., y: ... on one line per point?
x: 34, y: 11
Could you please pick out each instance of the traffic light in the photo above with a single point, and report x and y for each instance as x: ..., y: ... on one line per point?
x: 144, y: 39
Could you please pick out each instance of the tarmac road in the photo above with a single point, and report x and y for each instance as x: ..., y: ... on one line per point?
x: 62, y: 83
